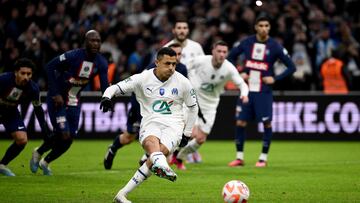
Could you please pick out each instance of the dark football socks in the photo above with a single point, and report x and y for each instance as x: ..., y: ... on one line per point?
x: 11, y: 153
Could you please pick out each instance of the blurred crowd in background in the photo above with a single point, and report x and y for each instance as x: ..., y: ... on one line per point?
x: 133, y: 30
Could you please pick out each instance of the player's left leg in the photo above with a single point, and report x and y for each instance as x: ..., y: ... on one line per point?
x: 125, y: 138
x: 199, y: 139
x: 20, y: 140
x: 47, y: 144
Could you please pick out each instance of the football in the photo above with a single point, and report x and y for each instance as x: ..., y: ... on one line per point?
x: 235, y: 191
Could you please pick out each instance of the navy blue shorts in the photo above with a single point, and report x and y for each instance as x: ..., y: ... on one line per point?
x: 12, y: 121
x: 259, y: 107
x: 64, y: 119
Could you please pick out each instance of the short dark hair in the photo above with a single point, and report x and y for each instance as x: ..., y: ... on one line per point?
x: 24, y: 62
x: 221, y: 43
x: 165, y: 51
x: 262, y: 18
x: 174, y: 45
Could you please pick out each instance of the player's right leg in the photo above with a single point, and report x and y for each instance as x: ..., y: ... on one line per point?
x: 65, y: 122
x: 244, y: 112
x: 140, y: 175
x: 13, y: 151
x: 263, y: 111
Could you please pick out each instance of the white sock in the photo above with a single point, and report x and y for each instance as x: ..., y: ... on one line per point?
x: 191, y: 147
x: 158, y: 158
x: 140, y: 175
x: 240, y: 155
x: 144, y: 157
x: 263, y: 157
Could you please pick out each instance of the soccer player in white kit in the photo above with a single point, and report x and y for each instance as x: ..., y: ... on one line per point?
x: 190, y: 50
x: 208, y: 75
x: 161, y: 93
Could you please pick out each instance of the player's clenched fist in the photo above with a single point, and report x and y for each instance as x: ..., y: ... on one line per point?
x: 106, y: 104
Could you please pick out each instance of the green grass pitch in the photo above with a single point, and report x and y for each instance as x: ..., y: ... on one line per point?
x: 298, y: 172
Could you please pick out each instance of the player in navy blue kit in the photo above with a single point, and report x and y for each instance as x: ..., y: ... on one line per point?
x: 260, y: 53
x: 18, y: 88
x: 134, y: 117
x: 68, y: 74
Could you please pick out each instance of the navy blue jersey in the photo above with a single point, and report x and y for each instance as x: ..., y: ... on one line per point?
x: 180, y: 67
x: 70, y: 72
x: 12, y: 95
x: 259, y: 60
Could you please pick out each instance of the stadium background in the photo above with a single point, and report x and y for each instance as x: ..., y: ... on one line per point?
x: 132, y: 31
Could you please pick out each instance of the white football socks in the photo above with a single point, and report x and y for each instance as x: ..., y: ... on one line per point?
x: 240, y: 155
x: 191, y: 147
x: 263, y: 157
x: 140, y: 175
x: 158, y: 158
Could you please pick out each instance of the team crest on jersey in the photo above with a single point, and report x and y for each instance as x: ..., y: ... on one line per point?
x: 161, y: 91
x: 162, y: 107
x: 258, y: 52
x: 14, y: 94
x: 174, y: 91
x: 86, y: 69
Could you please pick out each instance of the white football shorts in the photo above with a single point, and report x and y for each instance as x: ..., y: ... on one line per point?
x: 169, y: 136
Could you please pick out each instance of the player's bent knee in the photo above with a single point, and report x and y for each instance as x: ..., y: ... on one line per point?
x: 20, y: 138
x: 267, y: 125
x: 201, y: 138
x: 66, y: 136
x: 241, y: 123
x: 127, y: 138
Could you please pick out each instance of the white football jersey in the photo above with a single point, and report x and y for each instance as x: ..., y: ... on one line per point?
x: 159, y: 101
x: 191, y: 50
x: 209, y: 82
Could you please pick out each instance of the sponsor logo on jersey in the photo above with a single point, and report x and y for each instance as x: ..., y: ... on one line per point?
x: 256, y: 65
x: 61, y: 121
x: 162, y: 107
x: 78, y: 81
x: 149, y: 90
x: 207, y: 87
